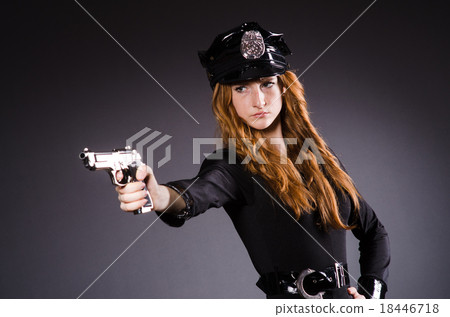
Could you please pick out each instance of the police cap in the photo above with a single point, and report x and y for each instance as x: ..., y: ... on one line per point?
x: 243, y: 53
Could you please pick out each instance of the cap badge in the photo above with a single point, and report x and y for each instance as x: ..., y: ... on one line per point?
x: 252, y: 45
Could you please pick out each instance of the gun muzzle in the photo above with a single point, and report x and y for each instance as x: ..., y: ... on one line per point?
x: 86, y: 160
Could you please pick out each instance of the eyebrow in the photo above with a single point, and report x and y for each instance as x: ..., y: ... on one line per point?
x: 267, y: 78
x: 244, y: 82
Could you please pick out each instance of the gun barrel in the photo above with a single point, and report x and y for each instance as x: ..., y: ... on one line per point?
x: 117, y: 159
x: 87, y: 160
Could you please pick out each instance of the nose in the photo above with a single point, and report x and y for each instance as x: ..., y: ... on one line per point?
x: 258, y: 99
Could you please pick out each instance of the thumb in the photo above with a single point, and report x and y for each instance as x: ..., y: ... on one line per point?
x: 144, y: 172
x: 141, y: 172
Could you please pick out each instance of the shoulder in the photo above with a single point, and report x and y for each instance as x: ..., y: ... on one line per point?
x: 226, y: 162
x: 222, y: 158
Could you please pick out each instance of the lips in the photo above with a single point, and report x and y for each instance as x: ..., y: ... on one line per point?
x: 262, y: 113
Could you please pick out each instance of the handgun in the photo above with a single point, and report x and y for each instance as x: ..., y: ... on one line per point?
x: 125, y: 160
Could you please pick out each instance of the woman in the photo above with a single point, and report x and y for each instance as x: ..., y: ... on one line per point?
x: 290, y: 199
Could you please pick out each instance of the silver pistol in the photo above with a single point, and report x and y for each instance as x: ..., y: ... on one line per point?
x: 125, y: 160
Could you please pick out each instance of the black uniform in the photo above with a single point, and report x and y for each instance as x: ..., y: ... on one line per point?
x: 274, y: 240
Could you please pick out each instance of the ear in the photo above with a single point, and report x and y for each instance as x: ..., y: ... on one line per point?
x: 284, y: 90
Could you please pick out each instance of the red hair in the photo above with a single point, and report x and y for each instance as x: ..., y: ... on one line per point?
x: 301, y: 187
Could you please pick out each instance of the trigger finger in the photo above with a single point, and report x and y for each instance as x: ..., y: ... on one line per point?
x: 130, y: 188
x: 119, y: 175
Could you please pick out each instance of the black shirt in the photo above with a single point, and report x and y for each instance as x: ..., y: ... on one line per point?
x: 274, y: 240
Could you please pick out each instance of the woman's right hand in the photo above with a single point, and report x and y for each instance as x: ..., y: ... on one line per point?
x: 132, y: 196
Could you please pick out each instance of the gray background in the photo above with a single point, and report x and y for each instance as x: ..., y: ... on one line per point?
x: 378, y: 96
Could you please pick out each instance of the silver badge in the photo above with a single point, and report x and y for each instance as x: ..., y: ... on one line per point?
x: 252, y: 45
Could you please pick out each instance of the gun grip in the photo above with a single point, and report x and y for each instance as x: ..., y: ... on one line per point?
x: 147, y: 207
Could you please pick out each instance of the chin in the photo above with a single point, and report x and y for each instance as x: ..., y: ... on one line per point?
x: 260, y: 124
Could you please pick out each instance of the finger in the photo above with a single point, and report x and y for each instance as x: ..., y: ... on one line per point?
x: 151, y: 180
x: 358, y: 296
x: 130, y: 188
x: 145, y: 172
x: 129, y: 198
x: 119, y: 175
x: 133, y: 206
x: 142, y: 172
x: 352, y: 291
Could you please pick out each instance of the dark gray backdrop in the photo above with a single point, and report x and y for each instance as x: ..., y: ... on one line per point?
x: 378, y: 96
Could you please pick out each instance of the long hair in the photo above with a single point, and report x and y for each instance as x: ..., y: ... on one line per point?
x: 302, y: 187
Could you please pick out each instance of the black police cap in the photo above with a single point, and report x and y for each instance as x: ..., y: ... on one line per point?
x: 243, y: 53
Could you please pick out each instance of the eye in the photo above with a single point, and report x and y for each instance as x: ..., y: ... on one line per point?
x: 268, y: 84
x: 240, y: 88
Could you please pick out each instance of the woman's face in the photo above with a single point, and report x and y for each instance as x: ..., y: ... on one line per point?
x: 258, y: 102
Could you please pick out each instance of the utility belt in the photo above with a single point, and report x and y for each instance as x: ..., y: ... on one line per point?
x: 307, y: 284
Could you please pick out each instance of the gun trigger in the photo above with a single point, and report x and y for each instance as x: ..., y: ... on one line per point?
x: 113, y: 174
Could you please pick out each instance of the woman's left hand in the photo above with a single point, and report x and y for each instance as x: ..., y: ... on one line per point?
x: 352, y: 291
